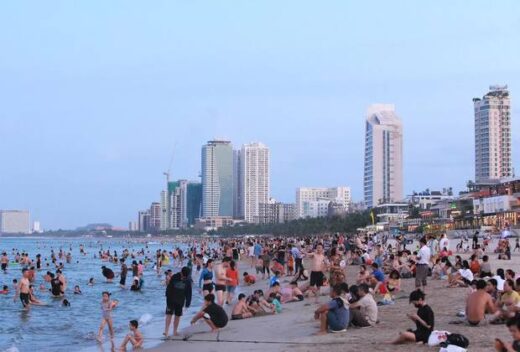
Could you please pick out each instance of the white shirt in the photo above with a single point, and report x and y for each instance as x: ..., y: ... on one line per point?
x: 424, y: 255
x: 251, y: 251
x: 466, y: 273
x: 445, y: 243
x: 500, y: 282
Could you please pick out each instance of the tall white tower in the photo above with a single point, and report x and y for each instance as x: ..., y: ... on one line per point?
x: 493, y: 135
x: 383, y: 171
x: 255, y: 185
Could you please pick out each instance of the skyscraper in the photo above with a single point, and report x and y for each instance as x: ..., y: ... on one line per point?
x: 193, y: 202
x: 383, y: 172
x: 155, y: 216
x: 217, y: 179
x: 493, y: 135
x: 237, y: 185
x: 254, y: 180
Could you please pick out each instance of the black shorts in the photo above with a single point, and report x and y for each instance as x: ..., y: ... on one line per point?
x: 122, y: 281
x: 25, y: 298
x: 220, y: 287
x: 174, y: 309
x: 421, y: 336
x: 317, y: 278
x: 207, y: 287
x: 4, y: 266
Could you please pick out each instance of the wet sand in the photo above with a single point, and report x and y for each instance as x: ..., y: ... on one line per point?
x: 294, y: 328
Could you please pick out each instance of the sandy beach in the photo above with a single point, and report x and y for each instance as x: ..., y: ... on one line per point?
x: 294, y: 329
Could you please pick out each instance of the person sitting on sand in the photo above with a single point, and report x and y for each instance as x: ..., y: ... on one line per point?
x: 241, y: 310
x: 249, y: 279
x: 462, y: 278
x: 424, y: 321
x: 513, y: 325
x: 296, y: 294
x: 275, y: 301
x: 363, y: 275
x: 364, y: 310
x: 478, y: 304
x: 334, y: 315
x: 213, y: 314
x: 508, y: 304
x: 134, y: 337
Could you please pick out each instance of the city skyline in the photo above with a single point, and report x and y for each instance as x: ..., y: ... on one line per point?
x: 92, y: 105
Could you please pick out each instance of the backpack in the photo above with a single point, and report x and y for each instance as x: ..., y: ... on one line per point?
x: 457, y: 340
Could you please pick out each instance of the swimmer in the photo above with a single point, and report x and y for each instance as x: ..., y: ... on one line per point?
x: 134, y: 337
x: 77, y: 290
x: 90, y: 282
x: 23, y: 290
x: 5, y: 290
x: 107, y: 273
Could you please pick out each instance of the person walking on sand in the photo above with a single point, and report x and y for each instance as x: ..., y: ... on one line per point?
x: 422, y: 266
x: 178, y: 296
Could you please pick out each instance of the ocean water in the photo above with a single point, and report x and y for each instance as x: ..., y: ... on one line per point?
x: 56, y: 328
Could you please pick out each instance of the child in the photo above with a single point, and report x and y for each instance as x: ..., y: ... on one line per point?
x: 106, y: 309
x: 249, y: 279
x: 241, y: 310
x: 136, y: 340
x: 424, y: 320
x: 274, y: 279
x: 273, y: 299
x: 5, y: 290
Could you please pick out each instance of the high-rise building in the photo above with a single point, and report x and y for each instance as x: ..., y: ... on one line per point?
x: 493, y: 135
x: 193, y: 202
x: 275, y: 212
x: 15, y: 221
x: 308, y: 195
x: 238, y: 212
x: 217, y: 179
x: 383, y: 172
x: 143, y: 220
x: 155, y: 216
x: 255, y: 181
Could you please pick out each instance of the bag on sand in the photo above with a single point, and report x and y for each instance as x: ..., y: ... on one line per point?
x: 457, y: 340
x: 453, y: 348
x: 436, y: 337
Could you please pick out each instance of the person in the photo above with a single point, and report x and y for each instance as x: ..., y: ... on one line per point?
x: 334, y: 315
x: 485, y: 268
x: 444, y: 243
x: 508, y: 304
x: 249, y: 279
x: 478, y: 304
x: 363, y: 311
x: 424, y: 321
x: 274, y: 299
x: 206, y: 278
x: 296, y: 295
x: 123, y: 274
x: 232, y: 274
x: 178, y: 296
x: 475, y: 240
x: 23, y: 289
x: 77, y: 290
x: 4, y: 261
x: 134, y: 337
x: 463, y: 277
x: 106, y: 318
x: 107, y: 273
x: 56, y: 286
x: 241, y: 309
x: 213, y: 314
x: 5, y: 290
x: 317, y: 267
x: 513, y: 325
x: 422, y: 265
x: 221, y: 280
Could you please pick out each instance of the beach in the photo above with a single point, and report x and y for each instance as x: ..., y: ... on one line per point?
x: 294, y: 328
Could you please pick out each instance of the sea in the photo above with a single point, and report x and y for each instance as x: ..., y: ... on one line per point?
x: 56, y: 328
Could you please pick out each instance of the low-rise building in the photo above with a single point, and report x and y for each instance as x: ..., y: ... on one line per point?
x: 15, y: 222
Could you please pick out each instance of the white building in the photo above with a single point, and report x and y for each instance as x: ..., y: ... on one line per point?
x: 316, y: 208
x: 254, y: 180
x: 37, y: 227
x: 15, y: 221
x: 217, y: 179
x: 383, y: 169
x: 493, y: 135
x: 340, y: 195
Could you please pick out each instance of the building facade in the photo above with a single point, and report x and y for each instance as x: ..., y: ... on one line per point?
x: 155, y: 217
x: 275, y: 212
x: 238, y: 212
x: 308, y: 195
x: 15, y: 221
x: 493, y: 135
x: 143, y: 220
x: 254, y: 180
x: 383, y: 167
x: 217, y: 179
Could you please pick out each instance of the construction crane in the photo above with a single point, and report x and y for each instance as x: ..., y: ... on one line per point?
x: 167, y: 173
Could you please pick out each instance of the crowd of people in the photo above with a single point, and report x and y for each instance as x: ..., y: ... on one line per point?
x: 293, y: 270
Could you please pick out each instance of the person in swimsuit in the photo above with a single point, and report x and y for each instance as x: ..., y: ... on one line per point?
x: 134, y: 337
x: 107, y: 273
x: 241, y: 309
x: 56, y: 284
x: 206, y: 278
x: 478, y: 304
x: 106, y: 319
x: 4, y: 261
x: 24, y: 290
x: 221, y: 280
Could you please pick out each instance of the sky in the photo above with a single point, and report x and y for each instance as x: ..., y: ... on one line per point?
x: 97, y: 96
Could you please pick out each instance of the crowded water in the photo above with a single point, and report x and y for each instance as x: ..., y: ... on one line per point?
x: 55, y: 327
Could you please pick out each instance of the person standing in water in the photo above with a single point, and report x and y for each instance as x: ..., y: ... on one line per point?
x: 23, y: 289
x: 106, y: 318
x: 124, y: 272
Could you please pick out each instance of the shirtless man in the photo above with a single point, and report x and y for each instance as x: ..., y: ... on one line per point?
x: 23, y: 290
x: 478, y: 304
x: 318, y: 268
x: 241, y: 309
x: 4, y: 262
x: 221, y: 280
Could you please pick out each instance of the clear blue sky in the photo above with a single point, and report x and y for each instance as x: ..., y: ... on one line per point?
x: 94, y: 95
